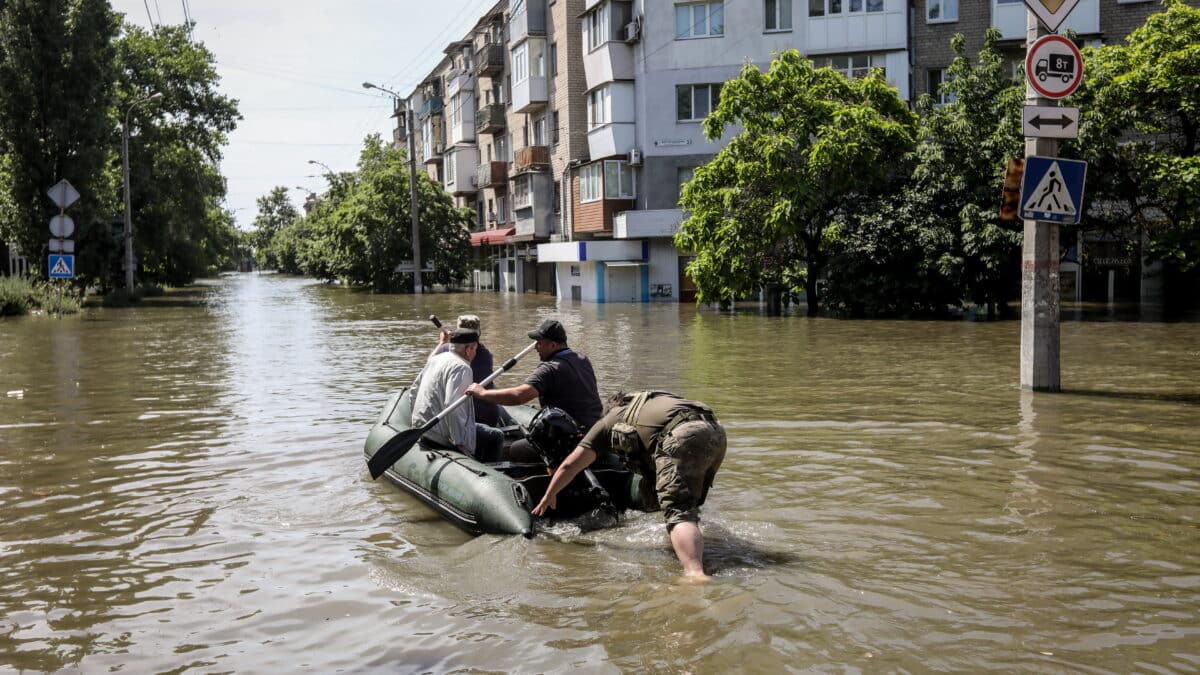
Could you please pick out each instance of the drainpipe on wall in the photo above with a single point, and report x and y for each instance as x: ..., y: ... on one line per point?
x: 568, y: 207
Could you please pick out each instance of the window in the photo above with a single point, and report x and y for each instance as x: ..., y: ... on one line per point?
x: 699, y: 19
x: 557, y: 197
x: 522, y: 193
x: 596, y: 25
x: 823, y: 7
x: 598, y: 106
x: 941, y: 10
x: 502, y: 153
x: 693, y: 102
x: 779, y: 14
x: 455, y: 111
x: 684, y: 175
x: 856, y: 65
x: 816, y: 7
x: 554, y: 127
x: 501, y: 209
x: 539, y: 130
x: 520, y: 63
x: 590, y: 178
x: 937, y: 78
x: 553, y: 58
x: 618, y: 180
x: 450, y: 162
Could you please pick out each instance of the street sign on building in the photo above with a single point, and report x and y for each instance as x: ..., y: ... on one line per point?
x: 63, y: 194
x: 1053, y: 66
x: 1047, y: 121
x: 1052, y: 189
x: 61, y: 266
x: 1051, y: 12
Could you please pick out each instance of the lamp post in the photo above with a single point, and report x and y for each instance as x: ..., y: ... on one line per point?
x: 323, y: 165
x: 128, y: 236
x: 412, y: 183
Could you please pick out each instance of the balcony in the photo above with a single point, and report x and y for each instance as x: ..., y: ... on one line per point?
x: 647, y: 223
x: 432, y: 154
x: 531, y: 158
x: 530, y: 21
x: 459, y: 81
x: 529, y: 94
x: 489, y: 60
x: 490, y: 119
x: 431, y: 106
x: 492, y: 175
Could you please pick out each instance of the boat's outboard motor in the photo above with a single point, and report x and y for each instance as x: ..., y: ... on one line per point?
x: 554, y: 434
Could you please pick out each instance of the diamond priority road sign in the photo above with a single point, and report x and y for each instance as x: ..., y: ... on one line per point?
x: 1054, y: 66
x: 1051, y: 12
x: 63, y: 194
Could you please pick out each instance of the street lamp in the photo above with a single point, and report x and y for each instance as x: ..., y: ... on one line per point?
x: 125, y: 178
x: 323, y: 165
x: 412, y: 183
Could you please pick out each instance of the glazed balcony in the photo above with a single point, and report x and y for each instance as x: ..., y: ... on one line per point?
x: 489, y: 60
x: 431, y: 106
x: 531, y: 158
x: 490, y: 119
x: 492, y: 175
x: 529, y: 21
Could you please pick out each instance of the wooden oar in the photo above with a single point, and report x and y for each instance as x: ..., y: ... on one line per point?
x: 396, y: 446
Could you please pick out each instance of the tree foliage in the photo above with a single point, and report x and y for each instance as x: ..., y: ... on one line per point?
x: 56, y: 91
x: 1140, y: 132
x: 275, y: 212
x: 181, y: 231
x: 946, y: 246
x: 360, y: 230
x: 813, y: 144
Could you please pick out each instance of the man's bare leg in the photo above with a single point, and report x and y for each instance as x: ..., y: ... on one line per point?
x: 688, y: 543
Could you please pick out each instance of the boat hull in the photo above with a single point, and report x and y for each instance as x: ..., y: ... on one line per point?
x: 493, y: 498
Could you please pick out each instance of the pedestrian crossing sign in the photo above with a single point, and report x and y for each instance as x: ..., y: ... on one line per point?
x: 62, y: 266
x: 1052, y: 189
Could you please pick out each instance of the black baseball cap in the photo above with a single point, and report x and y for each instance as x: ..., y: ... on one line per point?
x: 549, y: 330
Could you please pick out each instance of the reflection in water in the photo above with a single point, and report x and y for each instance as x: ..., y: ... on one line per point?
x: 183, y: 489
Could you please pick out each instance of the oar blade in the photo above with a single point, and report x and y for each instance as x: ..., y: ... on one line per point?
x: 393, y: 449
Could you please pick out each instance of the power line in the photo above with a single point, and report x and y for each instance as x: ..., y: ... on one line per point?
x: 149, y: 16
x: 440, y: 36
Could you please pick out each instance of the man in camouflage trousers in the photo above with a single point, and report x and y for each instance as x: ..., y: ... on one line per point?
x: 677, y: 443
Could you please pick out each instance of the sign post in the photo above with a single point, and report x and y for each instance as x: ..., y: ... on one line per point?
x: 60, y: 266
x: 1053, y: 69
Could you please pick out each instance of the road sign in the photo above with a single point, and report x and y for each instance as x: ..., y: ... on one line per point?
x: 63, y: 194
x: 1054, y: 66
x: 1051, y: 12
x: 62, y: 226
x: 1010, y: 194
x: 1047, y: 121
x: 62, y: 245
x: 62, y: 266
x: 1052, y: 189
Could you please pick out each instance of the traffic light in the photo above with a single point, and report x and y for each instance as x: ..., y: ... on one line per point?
x: 1010, y: 196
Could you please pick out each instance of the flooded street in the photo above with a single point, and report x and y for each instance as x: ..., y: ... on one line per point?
x: 183, y: 489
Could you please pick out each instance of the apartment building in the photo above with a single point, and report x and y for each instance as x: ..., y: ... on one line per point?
x: 653, y: 71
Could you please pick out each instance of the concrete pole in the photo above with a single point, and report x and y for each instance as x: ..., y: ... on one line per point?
x: 127, y: 235
x: 1039, y: 269
x: 412, y: 188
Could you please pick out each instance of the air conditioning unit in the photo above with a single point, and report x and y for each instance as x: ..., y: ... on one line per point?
x: 635, y: 157
x: 633, y: 31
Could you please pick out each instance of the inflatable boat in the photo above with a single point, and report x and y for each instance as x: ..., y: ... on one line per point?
x: 496, y: 497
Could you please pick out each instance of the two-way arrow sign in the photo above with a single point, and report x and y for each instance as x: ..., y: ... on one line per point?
x: 1047, y: 121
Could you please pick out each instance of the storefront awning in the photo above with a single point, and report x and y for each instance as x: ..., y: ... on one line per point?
x: 491, y: 236
x: 625, y: 263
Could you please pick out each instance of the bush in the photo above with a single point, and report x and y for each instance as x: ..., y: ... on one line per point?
x: 16, y: 295
x: 57, y: 297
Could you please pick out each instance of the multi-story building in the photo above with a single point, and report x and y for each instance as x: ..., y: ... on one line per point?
x: 580, y: 120
x: 654, y: 70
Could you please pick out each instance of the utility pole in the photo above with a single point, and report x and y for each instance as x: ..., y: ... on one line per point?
x: 412, y: 182
x: 128, y: 234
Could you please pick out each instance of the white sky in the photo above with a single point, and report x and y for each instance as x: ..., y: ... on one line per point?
x: 296, y: 68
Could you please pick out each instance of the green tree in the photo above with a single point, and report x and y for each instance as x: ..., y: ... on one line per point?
x: 813, y: 145
x: 951, y: 203
x: 275, y: 212
x: 175, y: 149
x: 56, y: 91
x: 1140, y: 133
x: 360, y: 231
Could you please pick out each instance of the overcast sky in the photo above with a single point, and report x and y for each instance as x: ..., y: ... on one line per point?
x: 296, y: 68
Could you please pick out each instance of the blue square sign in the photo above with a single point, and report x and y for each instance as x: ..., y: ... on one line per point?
x: 1052, y: 189
x: 61, y: 266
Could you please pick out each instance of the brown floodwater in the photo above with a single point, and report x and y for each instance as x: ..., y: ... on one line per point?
x: 182, y: 489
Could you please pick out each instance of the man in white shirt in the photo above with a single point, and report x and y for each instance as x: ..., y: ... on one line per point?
x: 445, y: 379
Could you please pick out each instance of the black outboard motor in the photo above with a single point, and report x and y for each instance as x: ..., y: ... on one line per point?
x: 554, y: 434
